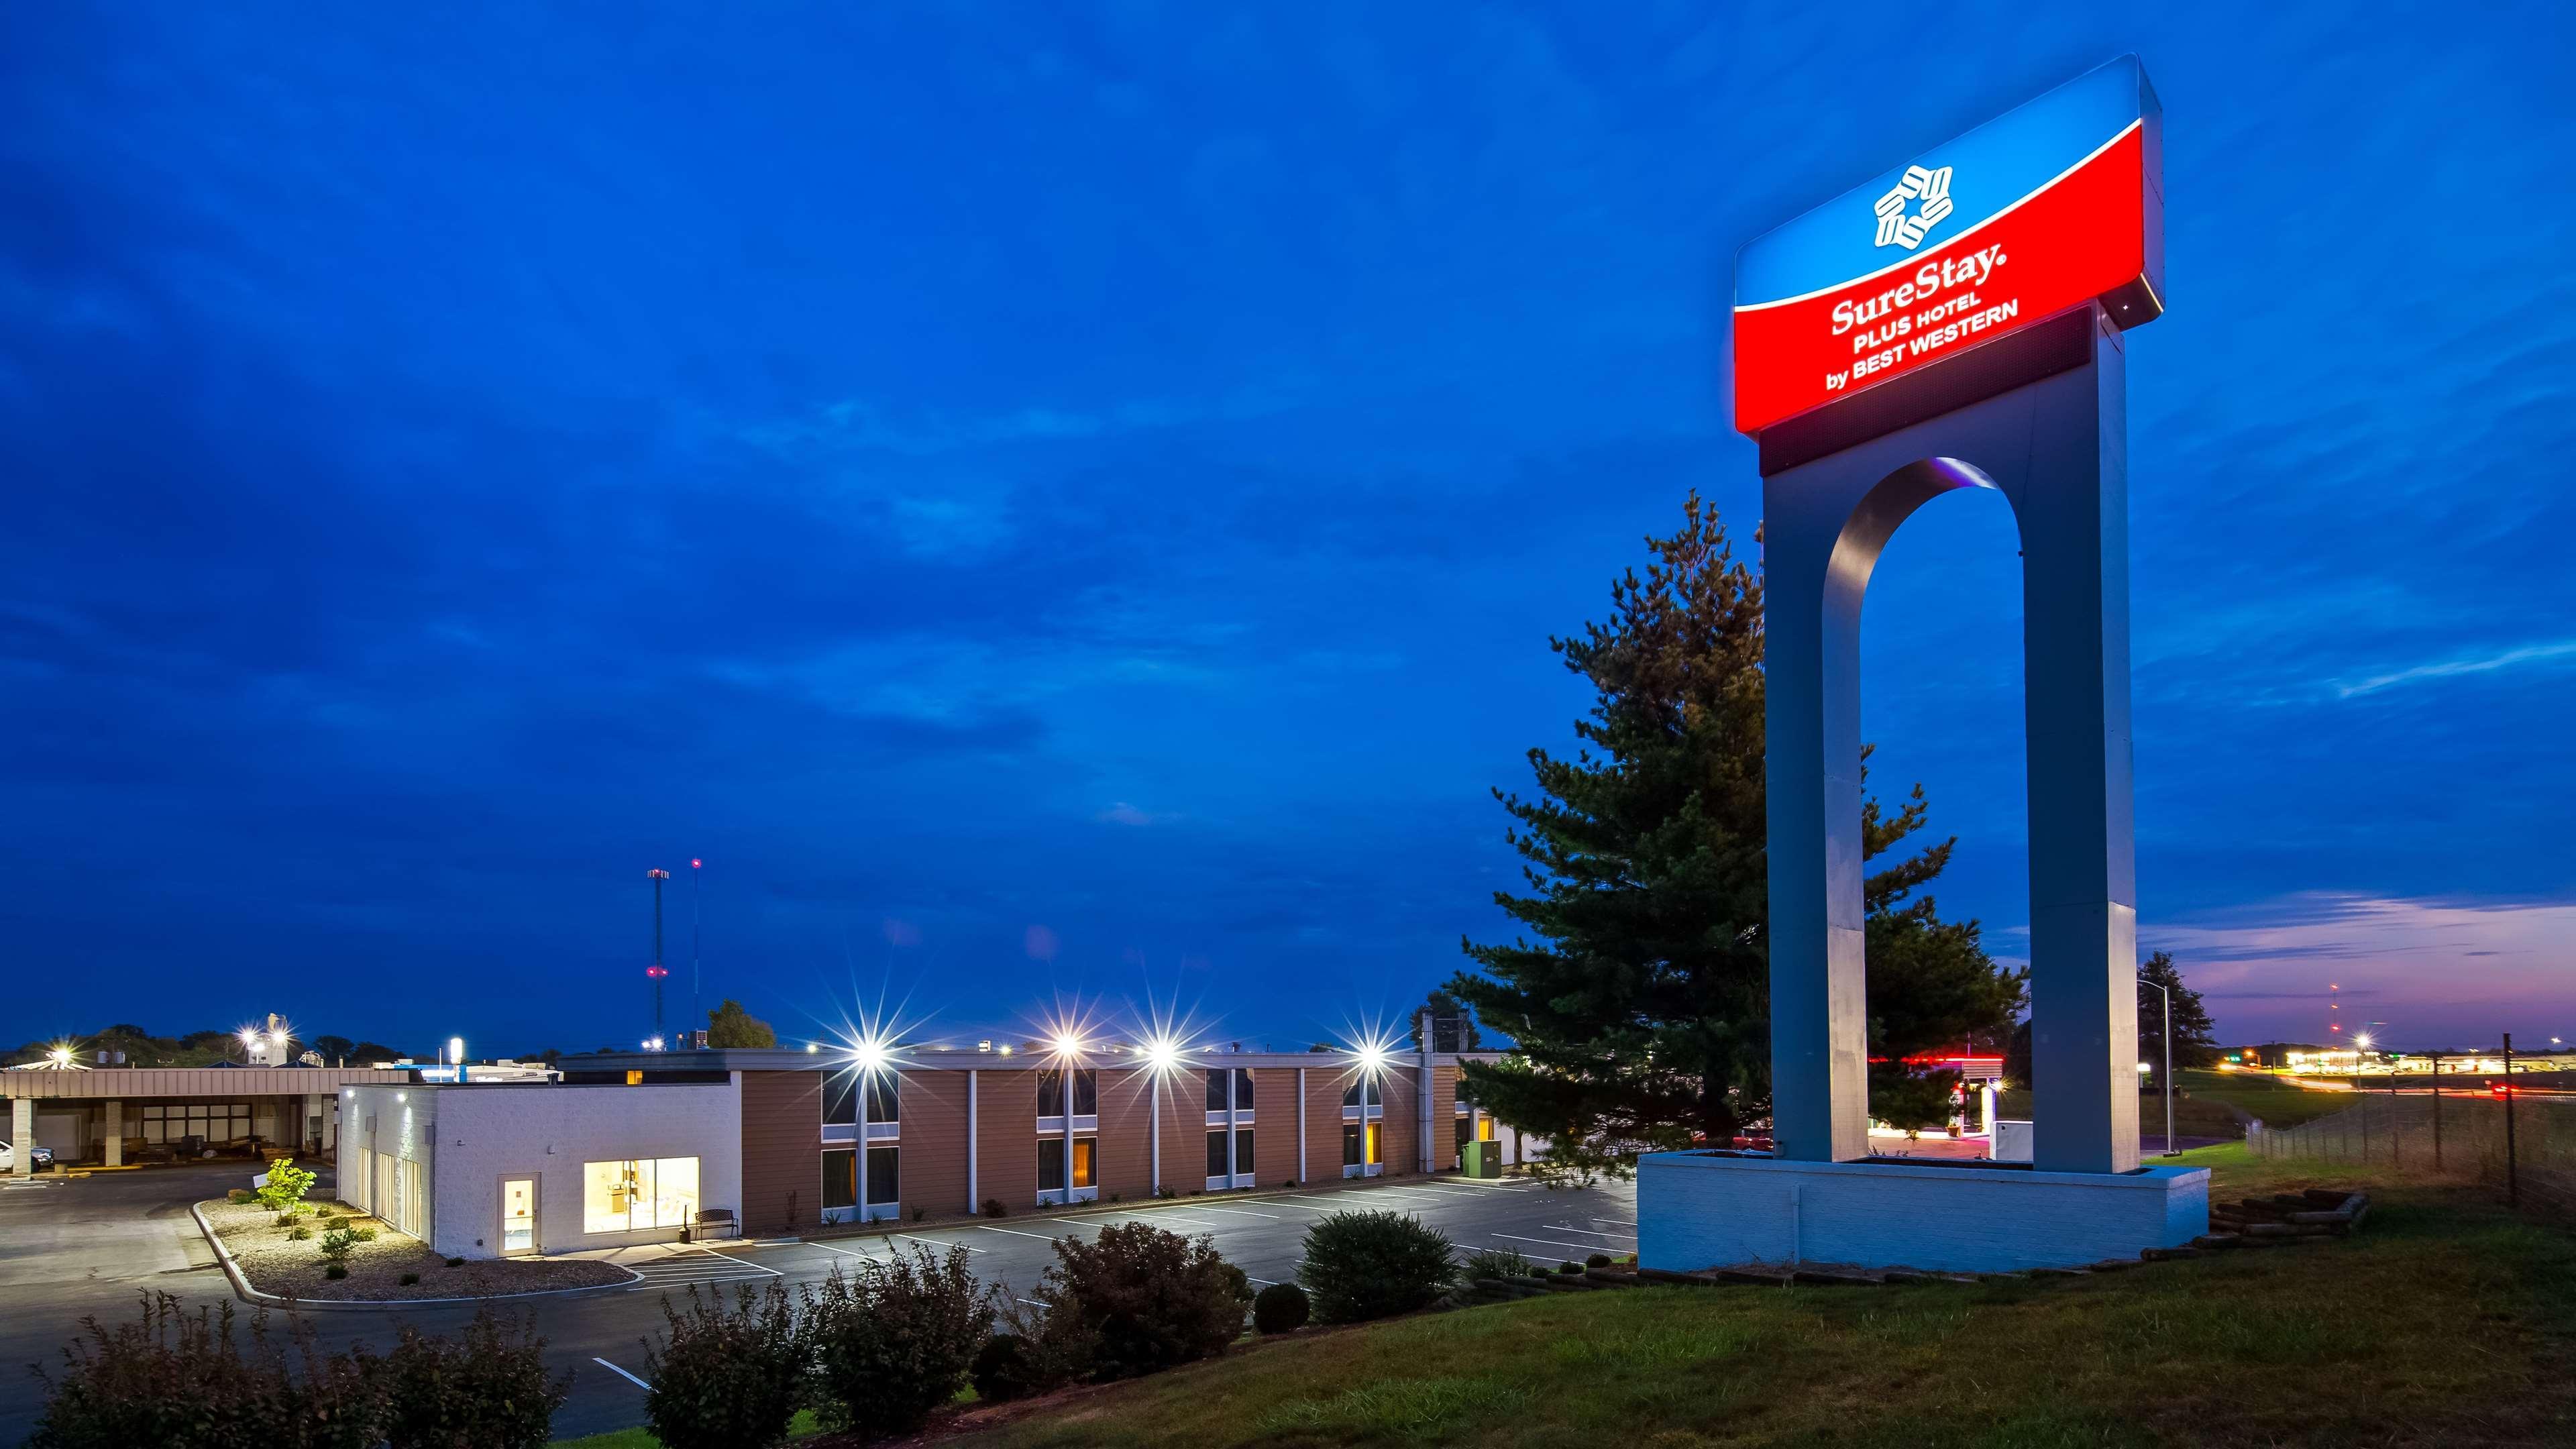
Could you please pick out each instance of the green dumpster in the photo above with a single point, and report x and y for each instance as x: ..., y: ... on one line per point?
x: 1482, y: 1159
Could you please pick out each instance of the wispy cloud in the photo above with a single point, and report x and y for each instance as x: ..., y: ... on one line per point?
x: 1123, y: 813
x: 2563, y: 649
x: 2277, y: 965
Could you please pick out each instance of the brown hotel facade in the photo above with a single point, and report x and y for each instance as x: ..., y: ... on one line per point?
x: 937, y: 1133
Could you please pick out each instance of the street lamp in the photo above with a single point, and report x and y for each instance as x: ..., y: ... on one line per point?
x: 1162, y: 1056
x: 2168, y: 1072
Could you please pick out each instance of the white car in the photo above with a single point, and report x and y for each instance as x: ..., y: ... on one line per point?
x: 42, y: 1156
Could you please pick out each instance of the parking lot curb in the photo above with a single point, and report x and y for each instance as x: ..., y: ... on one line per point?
x: 242, y: 1289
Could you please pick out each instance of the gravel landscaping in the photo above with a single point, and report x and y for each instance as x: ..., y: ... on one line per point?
x: 275, y: 1262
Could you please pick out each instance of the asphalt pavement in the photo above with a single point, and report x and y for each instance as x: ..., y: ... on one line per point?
x: 90, y: 1246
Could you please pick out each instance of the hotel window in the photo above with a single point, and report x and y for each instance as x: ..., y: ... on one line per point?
x: 884, y: 1187
x: 1217, y: 1077
x: 1086, y: 1092
x: 1351, y: 1146
x: 650, y: 1192
x: 841, y: 1100
x: 1243, y: 1152
x: 1351, y: 1094
x: 1216, y: 1154
x: 1051, y: 1163
x: 840, y: 1180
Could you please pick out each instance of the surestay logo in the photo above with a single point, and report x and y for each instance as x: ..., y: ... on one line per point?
x: 1929, y: 192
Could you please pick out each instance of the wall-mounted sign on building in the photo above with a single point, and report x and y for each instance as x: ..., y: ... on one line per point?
x: 2047, y: 207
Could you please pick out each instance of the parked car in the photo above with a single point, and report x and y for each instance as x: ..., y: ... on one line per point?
x: 43, y: 1157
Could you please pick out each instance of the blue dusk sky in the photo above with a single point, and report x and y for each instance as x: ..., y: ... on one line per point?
x: 1067, y: 503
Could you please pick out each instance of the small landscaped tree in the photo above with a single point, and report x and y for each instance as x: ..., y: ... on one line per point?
x: 286, y: 1185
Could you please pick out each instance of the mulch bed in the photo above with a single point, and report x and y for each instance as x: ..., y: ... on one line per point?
x: 276, y: 1263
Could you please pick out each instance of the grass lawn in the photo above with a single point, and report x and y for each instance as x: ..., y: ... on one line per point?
x: 2445, y: 1322
x: 2277, y: 1102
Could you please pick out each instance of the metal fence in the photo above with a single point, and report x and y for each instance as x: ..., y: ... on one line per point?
x: 2525, y: 1147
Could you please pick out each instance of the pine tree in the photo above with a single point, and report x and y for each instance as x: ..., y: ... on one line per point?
x: 1641, y: 1013
x: 2195, y: 1036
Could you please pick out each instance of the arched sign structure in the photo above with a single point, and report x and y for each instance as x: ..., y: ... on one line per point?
x: 1954, y: 323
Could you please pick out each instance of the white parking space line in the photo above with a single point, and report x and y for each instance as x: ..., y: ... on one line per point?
x: 623, y: 1374
x: 1587, y: 1232
x: 847, y: 1252
x: 1552, y: 1242
x: 1033, y: 1303
x: 936, y: 1243
x: 1238, y: 1212
x: 1264, y: 1282
x: 746, y: 1262
x: 1015, y: 1232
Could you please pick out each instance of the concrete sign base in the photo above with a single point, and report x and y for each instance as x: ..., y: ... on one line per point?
x: 1696, y: 1211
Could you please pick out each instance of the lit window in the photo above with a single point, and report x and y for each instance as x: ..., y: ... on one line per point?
x: 1051, y: 1163
x: 623, y: 1197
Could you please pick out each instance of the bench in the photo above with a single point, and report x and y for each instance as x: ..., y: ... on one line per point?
x: 712, y: 1223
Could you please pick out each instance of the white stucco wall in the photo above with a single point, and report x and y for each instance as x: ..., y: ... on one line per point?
x: 392, y: 1122
x: 548, y: 1131
x: 1696, y: 1210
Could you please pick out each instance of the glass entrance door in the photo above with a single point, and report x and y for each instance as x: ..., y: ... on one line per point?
x: 518, y: 1215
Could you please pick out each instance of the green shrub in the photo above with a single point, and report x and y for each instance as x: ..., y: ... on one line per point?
x: 335, y: 1271
x: 1569, y: 1267
x: 484, y: 1389
x: 1496, y: 1263
x: 993, y: 1208
x: 177, y: 1380
x: 1146, y: 1298
x: 1004, y: 1369
x: 1597, y: 1260
x: 284, y: 1220
x: 1280, y: 1308
x: 895, y: 1342
x: 299, y: 1234
x: 286, y: 1186
x: 363, y: 1234
x: 241, y: 1195
x: 725, y: 1378
x: 1363, y: 1265
x: 337, y: 1244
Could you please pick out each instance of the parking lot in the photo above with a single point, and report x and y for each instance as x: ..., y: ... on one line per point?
x: 89, y: 1246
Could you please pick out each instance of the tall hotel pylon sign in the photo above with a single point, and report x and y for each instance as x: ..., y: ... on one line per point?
x: 1956, y: 323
